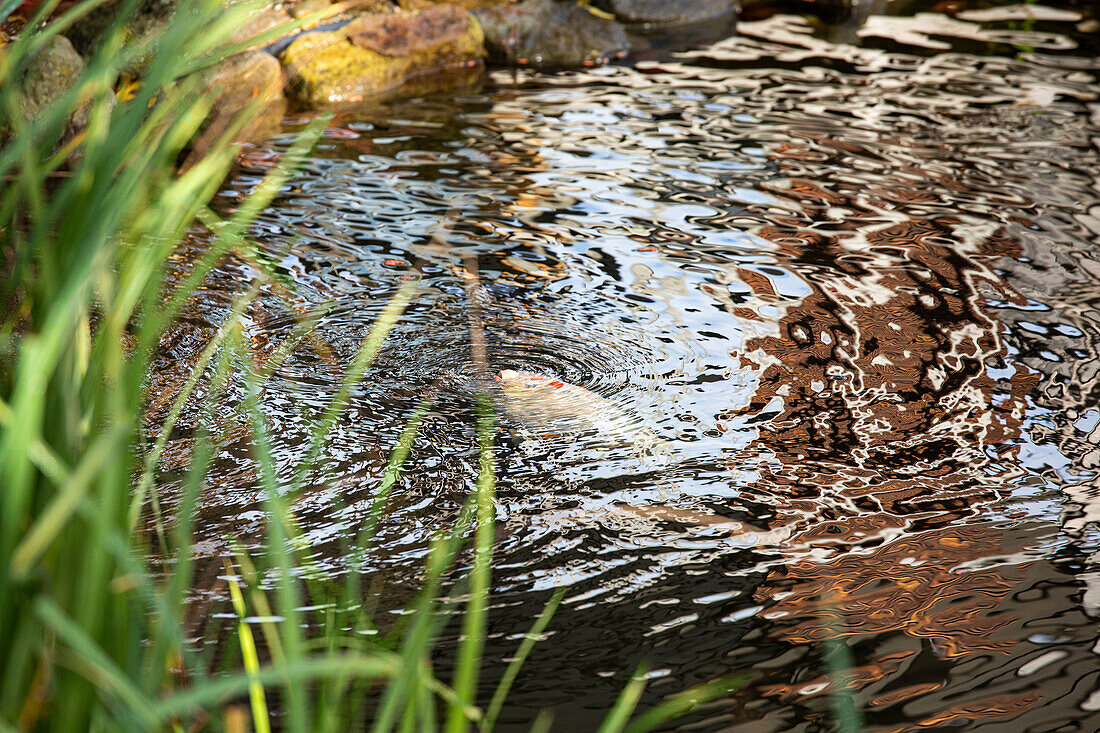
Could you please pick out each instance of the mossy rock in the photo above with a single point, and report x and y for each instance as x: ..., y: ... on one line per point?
x: 375, y: 53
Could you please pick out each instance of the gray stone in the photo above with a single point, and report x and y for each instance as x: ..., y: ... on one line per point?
x: 549, y: 34
x: 49, y: 76
x: 150, y: 16
x: 669, y: 11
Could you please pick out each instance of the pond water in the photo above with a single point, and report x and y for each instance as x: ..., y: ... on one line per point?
x: 852, y: 287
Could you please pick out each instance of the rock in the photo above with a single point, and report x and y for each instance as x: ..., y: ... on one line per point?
x: 308, y: 7
x: 277, y: 47
x: 150, y: 17
x: 550, y: 34
x: 244, y: 78
x: 252, y: 77
x: 259, y: 22
x: 48, y: 77
x: 376, y: 53
x: 374, y: 7
x: 668, y: 11
x: 467, y: 4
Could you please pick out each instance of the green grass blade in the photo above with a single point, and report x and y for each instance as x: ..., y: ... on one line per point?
x: 474, y: 622
x: 259, y: 600
x: 50, y: 523
x: 625, y: 703
x: 260, y: 720
x: 95, y: 663
x: 687, y: 701
x: 543, y: 721
x: 287, y: 591
x: 230, y: 233
x: 205, y: 694
x: 169, y: 606
x: 215, y: 343
x: 298, y: 334
x: 416, y: 640
x: 392, y: 473
x: 838, y: 658
x: 364, y: 357
x: 525, y: 647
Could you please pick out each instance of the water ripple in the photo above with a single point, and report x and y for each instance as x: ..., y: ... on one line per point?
x: 852, y: 288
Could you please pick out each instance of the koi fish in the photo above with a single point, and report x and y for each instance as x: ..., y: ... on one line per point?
x: 549, y: 406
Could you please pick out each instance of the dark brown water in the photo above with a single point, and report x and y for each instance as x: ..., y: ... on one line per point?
x: 854, y: 288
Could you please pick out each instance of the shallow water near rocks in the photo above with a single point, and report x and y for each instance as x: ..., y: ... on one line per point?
x: 853, y: 286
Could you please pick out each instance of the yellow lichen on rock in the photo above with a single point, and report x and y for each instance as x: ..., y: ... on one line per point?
x: 325, y: 67
x: 375, y: 53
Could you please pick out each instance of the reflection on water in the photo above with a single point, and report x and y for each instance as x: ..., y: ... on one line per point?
x: 855, y: 292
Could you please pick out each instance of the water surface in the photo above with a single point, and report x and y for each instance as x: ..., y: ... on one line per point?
x: 853, y: 286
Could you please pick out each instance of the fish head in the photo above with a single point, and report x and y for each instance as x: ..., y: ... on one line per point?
x: 517, y: 383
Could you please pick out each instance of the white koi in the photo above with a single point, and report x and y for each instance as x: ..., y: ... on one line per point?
x: 548, y: 406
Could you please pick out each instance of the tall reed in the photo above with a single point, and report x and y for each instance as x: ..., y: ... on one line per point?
x: 90, y: 639
x: 85, y: 231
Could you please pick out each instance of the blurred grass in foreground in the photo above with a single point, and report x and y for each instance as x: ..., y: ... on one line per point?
x: 89, y: 638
